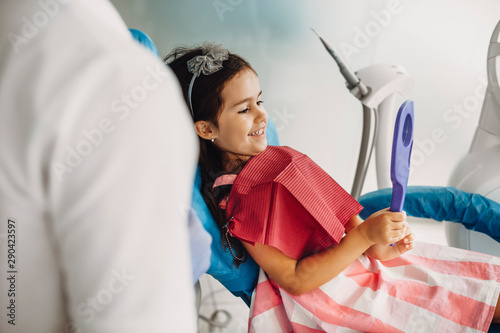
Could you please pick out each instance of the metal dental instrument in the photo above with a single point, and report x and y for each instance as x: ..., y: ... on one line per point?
x: 351, y: 78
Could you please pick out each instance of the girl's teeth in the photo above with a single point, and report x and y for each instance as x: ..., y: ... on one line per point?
x: 259, y: 132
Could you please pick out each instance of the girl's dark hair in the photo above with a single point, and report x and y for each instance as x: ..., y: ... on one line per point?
x: 207, y: 102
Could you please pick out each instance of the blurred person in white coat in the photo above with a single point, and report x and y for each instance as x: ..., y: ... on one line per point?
x: 96, y: 170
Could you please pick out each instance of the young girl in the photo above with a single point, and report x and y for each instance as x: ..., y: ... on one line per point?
x: 322, y: 268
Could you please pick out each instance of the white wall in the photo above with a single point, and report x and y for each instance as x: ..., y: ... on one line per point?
x: 441, y: 43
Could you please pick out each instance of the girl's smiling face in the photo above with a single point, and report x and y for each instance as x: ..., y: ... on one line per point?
x: 241, y: 131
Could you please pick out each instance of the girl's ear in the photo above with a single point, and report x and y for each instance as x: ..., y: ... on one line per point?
x: 204, y: 129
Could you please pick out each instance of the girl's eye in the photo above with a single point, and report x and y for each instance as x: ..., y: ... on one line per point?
x: 244, y: 111
x: 259, y: 103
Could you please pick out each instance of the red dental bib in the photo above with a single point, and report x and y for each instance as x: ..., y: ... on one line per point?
x: 283, y: 199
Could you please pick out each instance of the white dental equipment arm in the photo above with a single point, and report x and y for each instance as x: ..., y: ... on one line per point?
x: 375, y: 87
x: 479, y: 171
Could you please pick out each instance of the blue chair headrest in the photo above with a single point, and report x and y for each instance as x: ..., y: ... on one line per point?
x: 144, y: 40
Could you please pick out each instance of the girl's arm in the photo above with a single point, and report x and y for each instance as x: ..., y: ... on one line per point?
x: 301, y: 276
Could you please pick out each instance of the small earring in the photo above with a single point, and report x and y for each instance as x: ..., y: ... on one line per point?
x: 212, y: 138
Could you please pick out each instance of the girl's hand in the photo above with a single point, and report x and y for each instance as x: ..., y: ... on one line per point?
x: 383, y: 252
x: 384, y: 227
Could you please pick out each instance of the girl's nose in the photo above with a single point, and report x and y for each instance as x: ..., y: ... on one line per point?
x: 261, y: 114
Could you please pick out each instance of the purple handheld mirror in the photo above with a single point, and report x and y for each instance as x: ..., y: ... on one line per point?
x: 401, y: 154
